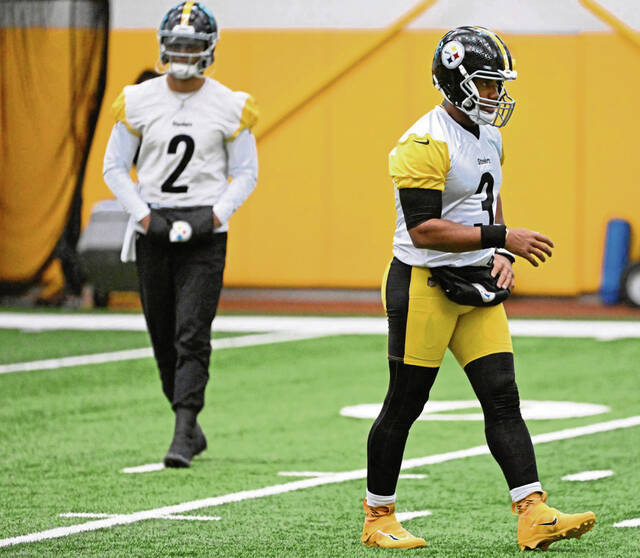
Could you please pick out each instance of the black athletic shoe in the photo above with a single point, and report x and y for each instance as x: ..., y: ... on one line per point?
x: 182, y: 447
x: 199, y: 440
x: 180, y: 452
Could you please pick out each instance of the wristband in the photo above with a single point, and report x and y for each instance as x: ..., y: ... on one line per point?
x: 493, y: 236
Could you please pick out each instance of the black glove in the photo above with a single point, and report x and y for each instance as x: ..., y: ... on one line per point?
x: 199, y: 218
x: 159, y: 227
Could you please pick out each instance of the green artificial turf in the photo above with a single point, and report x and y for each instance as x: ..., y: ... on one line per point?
x: 67, y: 434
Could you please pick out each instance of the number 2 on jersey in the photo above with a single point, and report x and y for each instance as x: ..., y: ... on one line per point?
x: 167, y: 185
x: 486, y: 181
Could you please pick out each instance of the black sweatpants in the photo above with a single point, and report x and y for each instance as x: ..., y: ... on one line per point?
x: 180, y: 287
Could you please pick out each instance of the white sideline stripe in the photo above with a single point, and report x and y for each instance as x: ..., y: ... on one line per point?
x: 273, y: 490
x: 407, y: 516
x: 176, y: 517
x: 278, y: 328
x: 328, y: 325
x: 149, y: 468
x: 628, y: 523
x: 132, y: 354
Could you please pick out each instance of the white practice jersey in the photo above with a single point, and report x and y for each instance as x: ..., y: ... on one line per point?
x: 438, y: 153
x: 182, y: 160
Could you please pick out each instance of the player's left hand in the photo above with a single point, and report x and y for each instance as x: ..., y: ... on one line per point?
x: 503, y: 270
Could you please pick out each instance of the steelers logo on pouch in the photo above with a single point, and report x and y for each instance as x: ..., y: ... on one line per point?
x: 452, y: 54
x: 180, y: 231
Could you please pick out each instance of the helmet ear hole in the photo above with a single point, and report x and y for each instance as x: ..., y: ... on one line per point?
x: 468, y: 103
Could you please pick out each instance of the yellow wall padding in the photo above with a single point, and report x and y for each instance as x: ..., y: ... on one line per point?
x: 44, y: 130
x: 323, y: 211
x: 348, y: 64
x: 618, y: 25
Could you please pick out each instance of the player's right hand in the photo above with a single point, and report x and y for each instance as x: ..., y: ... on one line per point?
x: 529, y: 245
x: 145, y: 222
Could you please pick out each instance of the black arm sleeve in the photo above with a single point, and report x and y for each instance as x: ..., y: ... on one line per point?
x: 420, y: 205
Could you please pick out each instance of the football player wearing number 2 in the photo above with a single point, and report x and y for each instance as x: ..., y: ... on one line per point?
x: 451, y: 270
x: 193, y: 134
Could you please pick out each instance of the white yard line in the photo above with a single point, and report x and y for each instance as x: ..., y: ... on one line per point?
x: 301, y: 474
x: 174, y: 517
x: 132, y: 354
x: 273, y: 490
x: 306, y: 474
x: 80, y: 360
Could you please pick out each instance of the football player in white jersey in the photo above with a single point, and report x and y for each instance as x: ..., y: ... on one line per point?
x: 444, y: 287
x: 193, y: 134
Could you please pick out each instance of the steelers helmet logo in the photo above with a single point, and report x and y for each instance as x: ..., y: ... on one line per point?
x: 452, y: 54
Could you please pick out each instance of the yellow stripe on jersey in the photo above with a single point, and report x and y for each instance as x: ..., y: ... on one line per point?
x: 118, y: 111
x: 419, y: 162
x: 248, y: 118
x: 500, y: 46
x: 502, y: 156
x: 186, y: 12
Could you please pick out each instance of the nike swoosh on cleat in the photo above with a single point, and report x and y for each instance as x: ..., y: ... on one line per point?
x: 550, y: 523
x: 393, y: 537
x: 422, y: 142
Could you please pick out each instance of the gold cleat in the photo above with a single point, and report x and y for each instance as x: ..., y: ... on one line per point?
x: 539, y: 525
x: 382, y: 529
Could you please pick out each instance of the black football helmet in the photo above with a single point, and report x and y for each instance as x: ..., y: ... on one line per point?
x: 187, y: 35
x: 466, y: 53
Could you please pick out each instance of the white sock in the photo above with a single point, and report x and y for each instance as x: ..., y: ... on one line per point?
x: 375, y: 500
x: 520, y: 492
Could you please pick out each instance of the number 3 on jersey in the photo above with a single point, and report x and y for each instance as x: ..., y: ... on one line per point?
x: 167, y: 185
x: 486, y: 181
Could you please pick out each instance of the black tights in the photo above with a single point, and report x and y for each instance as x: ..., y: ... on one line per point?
x: 493, y: 380
x: 408, y: 392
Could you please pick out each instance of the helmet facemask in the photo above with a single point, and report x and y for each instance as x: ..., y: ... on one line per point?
x: 187, y: 52
x: 475, y: 107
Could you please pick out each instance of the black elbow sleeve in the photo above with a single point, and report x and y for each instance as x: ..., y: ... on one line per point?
x: 420, y: 205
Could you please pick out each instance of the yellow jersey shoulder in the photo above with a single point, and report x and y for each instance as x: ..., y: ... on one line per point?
x: 421, y: 158
x: 240, y: 107
x: 131, y: 100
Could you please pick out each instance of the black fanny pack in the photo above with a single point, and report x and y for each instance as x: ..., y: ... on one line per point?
x: 181, y: 225
x: 470, y: 285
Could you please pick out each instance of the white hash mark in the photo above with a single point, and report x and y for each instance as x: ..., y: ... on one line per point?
x: 588, y: 476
